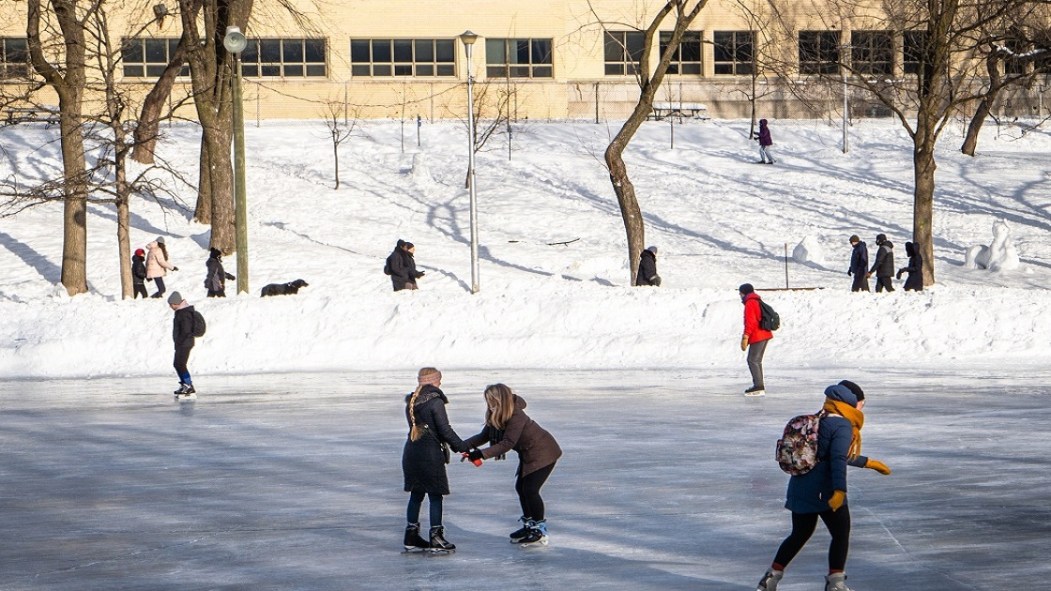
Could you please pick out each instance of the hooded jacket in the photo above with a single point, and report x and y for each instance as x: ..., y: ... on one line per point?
x: 884, y: 265
x: 157, y: 263
x: 536, y: 447
x: 216, y: 276
x: 764, y: 134
x: 647, y: 274
x: 914, y: 282
x: 859, y: 259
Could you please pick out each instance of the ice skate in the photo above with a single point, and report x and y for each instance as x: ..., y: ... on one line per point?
x: 755, y: 391
x: 413, y: 541
x: 537, y: 535
x: 518, y: 534
x: 837, y: 582
x: 438, y: 542
x: 770, y: 580
x: 185, y: 392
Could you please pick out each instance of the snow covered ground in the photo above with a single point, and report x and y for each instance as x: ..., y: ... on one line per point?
x: 718, y: 219
x: 293, y: 481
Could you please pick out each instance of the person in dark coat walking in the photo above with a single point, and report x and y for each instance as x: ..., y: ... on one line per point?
x: 138, y: 273
x: 765, y: 141
x: 754, y: 339
x: 424, y: 458
x: 507, y: 427
x: 647, y: 274
x: 822, y: 492
x: 409, y: 258
x: 884, y: 265
x: 859, y: 264
x: 914, y: 282
x: 182, y: 334
x: 215, y: 279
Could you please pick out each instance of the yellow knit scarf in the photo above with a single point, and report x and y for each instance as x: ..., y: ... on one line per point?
x: 856, y: 418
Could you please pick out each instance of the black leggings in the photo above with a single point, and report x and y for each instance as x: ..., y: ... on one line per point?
x: 528, y: 489
x: 803, y: 524
x: 159, y: 282
x: 412, y: 513
x: 182, y: 356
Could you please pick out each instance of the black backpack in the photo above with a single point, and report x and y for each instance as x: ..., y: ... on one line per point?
x: 199, y: 325
x: 769, y: 320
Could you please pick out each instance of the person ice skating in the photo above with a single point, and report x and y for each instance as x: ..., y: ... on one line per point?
x: 182, y: 334
x: 859, y: 264
x: 507, y: 427
x: 647, y: 274
x: 158, y: 265
x: 754, y: 339
x: 215, y: 279
x: 424, y: 458
x: 138, y: 273
x: 914, y: 282
x: 765, y: 141
x: 822, y: 492
x: 884, y: 265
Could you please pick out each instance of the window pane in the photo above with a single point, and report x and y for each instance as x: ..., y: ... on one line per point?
x: 154, y: 71
x: 292, y: 51
x: 446, y: 70
x: 269, y: 51
x: 614, y: 70
x: 381, y: 70
x: 444, y: 51
x: 403, y: 70
x: 156, y: 50
x: 636, y: 45
x: 494, y: 51
x: 294, y: 70
x: 381, y: 51
x: 494, y: 71
x: 402, y: 50
x: 315, y: 50
x: 542, y: 72
x: 424, y: 50
x: 360, y: 70
x: 724, y: 68
x: 134, y: 71
x: 520, y: 71
x: 316, y: 70
x: 521, y: 52
x: 251, y: 52
x: 359, y: 51
x: 613, y: 51
x: 271, y: 70
x: 132, y: 51
x: 425, y: 70
x: 250, y: 70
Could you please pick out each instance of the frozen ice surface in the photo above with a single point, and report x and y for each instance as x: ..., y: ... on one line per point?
x: 668, y: 482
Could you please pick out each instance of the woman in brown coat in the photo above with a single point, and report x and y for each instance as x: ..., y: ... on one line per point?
x: 508, y: 427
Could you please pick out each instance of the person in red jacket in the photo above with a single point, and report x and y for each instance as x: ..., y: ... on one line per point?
x: 754, y: 338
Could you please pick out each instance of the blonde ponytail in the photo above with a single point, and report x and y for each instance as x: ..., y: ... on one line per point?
x: 426, y: 376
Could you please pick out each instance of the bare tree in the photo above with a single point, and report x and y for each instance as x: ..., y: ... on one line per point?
x: 680, y: 14
x: 339, y: 127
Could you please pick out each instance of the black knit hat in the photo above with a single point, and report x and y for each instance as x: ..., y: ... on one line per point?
x: 746, y: 289
x: 854, y: 388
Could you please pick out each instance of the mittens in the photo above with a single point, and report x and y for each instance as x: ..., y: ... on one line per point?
x: 838, y: 498
x: 878, y: 466
x: 744, y: 343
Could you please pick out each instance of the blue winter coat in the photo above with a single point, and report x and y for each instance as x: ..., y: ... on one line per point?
x: 859, y: 259
x: 810, y: 492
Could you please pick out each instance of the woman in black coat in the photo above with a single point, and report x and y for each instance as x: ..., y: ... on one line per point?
x: 424, y: 458
x: 914, y: 282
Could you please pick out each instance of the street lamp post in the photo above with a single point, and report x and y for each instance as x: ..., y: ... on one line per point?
x: 468, y: 38
x: 235, y: 42
x: 846, y: 103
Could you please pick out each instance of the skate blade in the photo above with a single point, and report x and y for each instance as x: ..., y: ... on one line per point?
x: 186, y: 398
x: 414, y: 550
x: 541, y: 543
x: 755, y: 394
x: 439, y: 551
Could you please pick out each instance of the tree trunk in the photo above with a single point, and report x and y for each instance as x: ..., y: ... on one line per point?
x: 970, y: 141
x: 149, y: 118
x: 924, y: 166
x: 335, y: 156
x: 630, y: 212
x: 203, y: 211
x: 75, y: 212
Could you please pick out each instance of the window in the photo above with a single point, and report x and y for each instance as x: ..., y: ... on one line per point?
x: 518, y: 58
x: 402, y: 57
x: 1015, y: 65
x: 914, y: 52
x: 14, y: 57
x: 687, y: 58
x: 623, y: 51
x: 819, y: 52
x: 289, y: 58
x: 734, y: 53
x: 872, y: 52
x: 148, y: 57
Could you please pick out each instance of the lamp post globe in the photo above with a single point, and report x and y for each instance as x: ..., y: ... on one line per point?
x: 234, y: 41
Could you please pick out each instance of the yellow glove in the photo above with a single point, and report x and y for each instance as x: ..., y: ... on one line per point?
x: 838, y: 498
x: 744, y: 343
x: 878, y: 466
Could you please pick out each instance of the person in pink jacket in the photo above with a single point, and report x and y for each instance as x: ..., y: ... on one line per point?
x: 158, y: 265
x: 754, y: 339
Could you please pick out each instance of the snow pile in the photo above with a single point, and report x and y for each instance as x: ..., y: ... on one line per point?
x: 553, y: 270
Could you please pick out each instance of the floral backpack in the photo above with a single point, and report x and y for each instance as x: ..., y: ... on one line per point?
x: 796, y: 451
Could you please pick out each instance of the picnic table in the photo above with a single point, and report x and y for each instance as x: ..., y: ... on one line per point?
x: 46, y: 115
x: 663, y: 110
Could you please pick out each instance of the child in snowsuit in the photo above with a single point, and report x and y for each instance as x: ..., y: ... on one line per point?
x: 765, y: 141
x: 138, y: 273
x: 424, y: 458
x: 182, y: 334
x: 507, y: 427
x: 822, y: 492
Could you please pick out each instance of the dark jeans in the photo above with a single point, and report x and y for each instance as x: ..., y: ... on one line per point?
x: 217, y: 293
x: 861, y: 282
x: 160, y: 287
x: 412, y: 513
x: 886, y: 283
x: 182, y: 355
x: 755, y: 362
x: 803, y: 524
x: 528, y: 489
x: 139, y: 290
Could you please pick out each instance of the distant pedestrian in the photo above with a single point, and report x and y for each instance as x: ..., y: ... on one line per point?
x: 158, y: 264
x: 409, y: 257
x: 884, y: 265
x: 138, y: 273
x: 647, y: 274
x: 914, y: 282
x: 508, y: 427
x: 182, y: 334
x: 424, y: 457
x: 859, y: 264
x: 216, y: 276
x: 765, y: 141
x: 822, y: 492
x: 754, y: 339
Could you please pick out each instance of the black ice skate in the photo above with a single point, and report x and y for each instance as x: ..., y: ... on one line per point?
x: 537, y: 535
x: 438, y: 541
x: 522, y: 532
x: 413, y: 541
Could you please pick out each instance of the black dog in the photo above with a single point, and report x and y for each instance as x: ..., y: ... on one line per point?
x: 283, y: 288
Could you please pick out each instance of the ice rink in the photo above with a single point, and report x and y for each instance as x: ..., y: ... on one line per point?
x: 668, y: 482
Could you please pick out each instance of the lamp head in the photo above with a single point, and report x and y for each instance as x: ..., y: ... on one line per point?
x: 234, y: 41
x: 468, y: 37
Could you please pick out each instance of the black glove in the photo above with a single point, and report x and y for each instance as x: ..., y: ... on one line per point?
x: 898, y: 275
x: 656, y: 280
x: 230, y: 277
x: 175, y: 268
x: 419, y: 274
x: 849, y: 272
x: 475, y: 454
